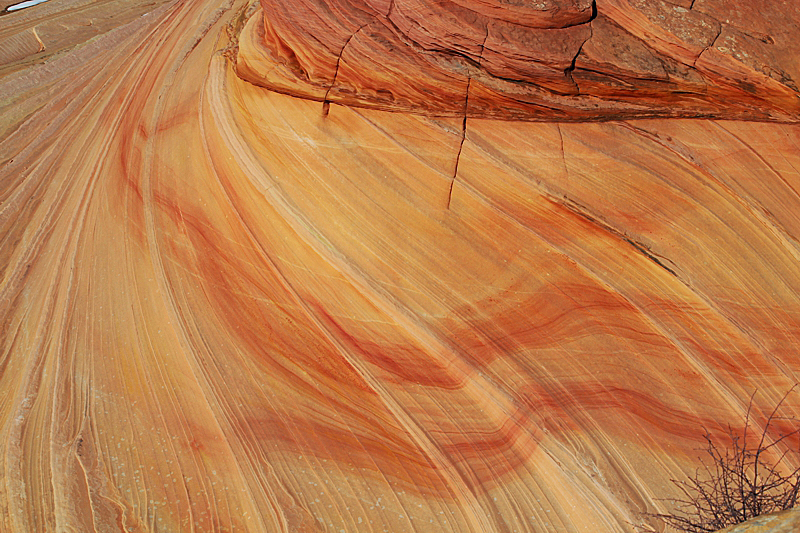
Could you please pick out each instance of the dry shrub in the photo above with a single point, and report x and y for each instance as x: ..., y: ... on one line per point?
x: 737, y: 483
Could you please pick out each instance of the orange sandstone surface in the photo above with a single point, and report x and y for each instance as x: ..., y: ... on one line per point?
x: 539, y: 60
x: 325, y: 266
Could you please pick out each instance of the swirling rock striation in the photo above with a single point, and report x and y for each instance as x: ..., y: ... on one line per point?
x: 223, y: 311
x: 563, y: 60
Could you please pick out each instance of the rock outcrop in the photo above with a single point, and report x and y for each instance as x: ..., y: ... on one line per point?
x: 783, y: 522
x: 566, y: 60
x: 224, y: 310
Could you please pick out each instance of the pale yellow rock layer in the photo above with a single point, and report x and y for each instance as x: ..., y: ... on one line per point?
x: 782, y: 522
x: 221, y: 310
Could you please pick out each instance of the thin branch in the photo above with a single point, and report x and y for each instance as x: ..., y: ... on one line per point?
x: 738, y: 483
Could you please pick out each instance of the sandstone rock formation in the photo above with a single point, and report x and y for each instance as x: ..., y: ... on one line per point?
x: 783, y: 522
x: 568, y: 60
x: 224, y: 310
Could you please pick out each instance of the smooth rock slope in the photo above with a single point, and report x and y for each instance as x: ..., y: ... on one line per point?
x: 227, y: 308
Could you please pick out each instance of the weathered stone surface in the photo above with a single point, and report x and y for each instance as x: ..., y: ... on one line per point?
x: 223, y: 310
x: 32, y: 36
x: 783, y: 522
x: 556, y: 60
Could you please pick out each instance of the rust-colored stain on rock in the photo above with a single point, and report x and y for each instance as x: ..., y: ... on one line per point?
x: 389, y: 265
x: 566, y: 60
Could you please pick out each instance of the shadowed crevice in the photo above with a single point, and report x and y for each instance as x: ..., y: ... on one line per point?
x: 464, y: 123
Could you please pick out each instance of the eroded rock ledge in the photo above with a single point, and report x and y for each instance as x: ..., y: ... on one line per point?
x: 532, y: 59
x: 781, y: 522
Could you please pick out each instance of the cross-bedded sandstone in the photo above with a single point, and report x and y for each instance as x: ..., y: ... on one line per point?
x: 565, y: 60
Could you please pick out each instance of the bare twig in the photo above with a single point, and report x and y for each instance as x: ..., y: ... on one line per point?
x: 738, y: 483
